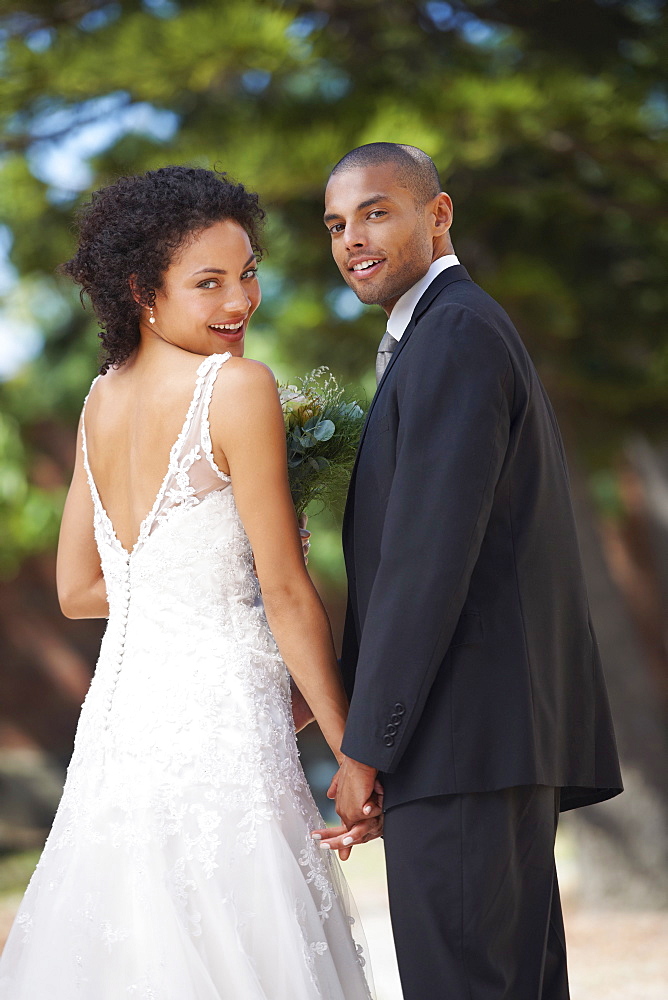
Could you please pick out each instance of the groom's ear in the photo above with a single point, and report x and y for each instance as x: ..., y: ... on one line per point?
x: 439, y: 219
x: 442, y: 211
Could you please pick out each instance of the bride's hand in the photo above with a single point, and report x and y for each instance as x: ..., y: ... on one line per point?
x: 339, y: 838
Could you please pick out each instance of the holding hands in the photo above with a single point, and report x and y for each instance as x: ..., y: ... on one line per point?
x: 359, y: 803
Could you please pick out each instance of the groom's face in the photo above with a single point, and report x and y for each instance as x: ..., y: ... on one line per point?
x: 381, y: 240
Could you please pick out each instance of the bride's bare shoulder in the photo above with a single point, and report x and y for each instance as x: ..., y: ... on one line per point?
x: 248, y: 369
x: 245, y: 394
x: 248, y: 377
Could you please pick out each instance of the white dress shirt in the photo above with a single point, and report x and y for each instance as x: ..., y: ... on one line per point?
x: 400, y: 316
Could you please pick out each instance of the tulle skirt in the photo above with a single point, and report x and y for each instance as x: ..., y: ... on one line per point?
x: 156, y: 891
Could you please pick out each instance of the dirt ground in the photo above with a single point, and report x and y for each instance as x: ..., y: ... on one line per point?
x: 612, y: 955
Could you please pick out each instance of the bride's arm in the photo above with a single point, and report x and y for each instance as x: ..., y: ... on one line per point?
x: 81, y: 589
x: 247, y: 425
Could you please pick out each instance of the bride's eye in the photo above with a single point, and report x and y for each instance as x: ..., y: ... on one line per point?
x: 209, y: 283
x: 250, y: 273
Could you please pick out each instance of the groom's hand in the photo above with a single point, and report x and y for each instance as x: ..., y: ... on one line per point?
x: 354, y: 788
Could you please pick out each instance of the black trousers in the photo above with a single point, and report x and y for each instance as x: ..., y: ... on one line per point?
x: 474, y: 898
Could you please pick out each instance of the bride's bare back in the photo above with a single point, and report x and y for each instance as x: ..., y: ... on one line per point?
x: 133, y: 417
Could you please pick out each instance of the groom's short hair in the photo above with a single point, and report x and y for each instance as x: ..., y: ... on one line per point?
x: 416, y: 170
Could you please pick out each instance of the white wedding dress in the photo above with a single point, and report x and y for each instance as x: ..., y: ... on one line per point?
x: 179, y: 865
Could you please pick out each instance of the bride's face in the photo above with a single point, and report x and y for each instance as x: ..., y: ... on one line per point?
x: 210, y: 291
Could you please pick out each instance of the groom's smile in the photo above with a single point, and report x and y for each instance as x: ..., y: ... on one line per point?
x: 365, y: 268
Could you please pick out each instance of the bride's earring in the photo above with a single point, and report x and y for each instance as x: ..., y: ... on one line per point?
x: 151, y: 318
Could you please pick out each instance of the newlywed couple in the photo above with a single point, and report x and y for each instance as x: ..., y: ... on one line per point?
x: 469, y: 707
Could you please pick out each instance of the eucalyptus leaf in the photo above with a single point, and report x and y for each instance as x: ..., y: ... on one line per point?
x: 324, y: 430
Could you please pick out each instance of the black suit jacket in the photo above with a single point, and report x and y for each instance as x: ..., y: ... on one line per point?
x: 469, y: 656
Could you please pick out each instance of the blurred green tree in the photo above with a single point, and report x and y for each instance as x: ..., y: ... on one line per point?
x: 548, y: 122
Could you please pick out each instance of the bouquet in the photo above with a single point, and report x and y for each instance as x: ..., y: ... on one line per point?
x: 323, y: 427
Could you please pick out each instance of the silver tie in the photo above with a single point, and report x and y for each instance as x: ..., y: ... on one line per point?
x: 387, y: 345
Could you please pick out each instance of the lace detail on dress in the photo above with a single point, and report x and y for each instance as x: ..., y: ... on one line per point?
x: 180, y: 862
x: 176, y: 489
x: 205, y: 435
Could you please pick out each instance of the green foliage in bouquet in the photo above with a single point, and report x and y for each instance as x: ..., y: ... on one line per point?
x: 322, y: 426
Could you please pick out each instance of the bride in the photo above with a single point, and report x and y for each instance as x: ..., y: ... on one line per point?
x: 180, y: 865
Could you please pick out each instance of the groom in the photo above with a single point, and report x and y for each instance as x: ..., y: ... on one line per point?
x: 475, y: 685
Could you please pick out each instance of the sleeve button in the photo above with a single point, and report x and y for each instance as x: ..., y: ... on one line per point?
x: 389, y: 741
x: 395, y: 719
x: 399, y: 708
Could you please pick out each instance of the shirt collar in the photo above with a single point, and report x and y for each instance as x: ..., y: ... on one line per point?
x: 400, y: 316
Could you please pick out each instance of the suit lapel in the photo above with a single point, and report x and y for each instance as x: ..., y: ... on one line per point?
x: 451, y: 274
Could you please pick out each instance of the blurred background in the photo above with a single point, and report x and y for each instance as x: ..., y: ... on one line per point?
x: 549, y: 123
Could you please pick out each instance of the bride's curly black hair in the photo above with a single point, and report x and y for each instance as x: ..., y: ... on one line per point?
x: 134, y: 227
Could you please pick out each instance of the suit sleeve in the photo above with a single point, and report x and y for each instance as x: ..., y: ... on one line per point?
x: 454, y: 393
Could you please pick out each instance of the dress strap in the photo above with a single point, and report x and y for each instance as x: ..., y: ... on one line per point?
x: 211, y: 373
